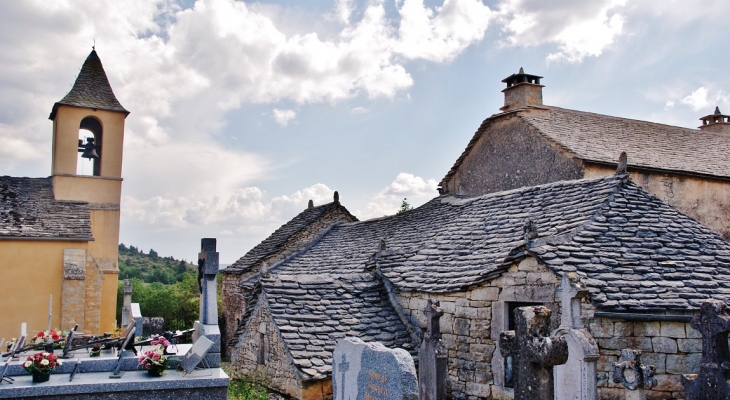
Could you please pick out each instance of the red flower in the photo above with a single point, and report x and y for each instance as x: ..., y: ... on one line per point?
x: 40, y: 335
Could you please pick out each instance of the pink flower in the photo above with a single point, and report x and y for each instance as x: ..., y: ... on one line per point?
x: 156, y: 356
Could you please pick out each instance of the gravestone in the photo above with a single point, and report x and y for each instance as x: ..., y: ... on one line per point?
x: 127, y: 303
x: 633, y: 375
x: 713, y: 323
x: 196, y: 354
x: 432, y: 357
x: 207, y: 271
x: 207, y: 323
x: 363, y: 371
x: 534, y: 353
x: 576, y: 379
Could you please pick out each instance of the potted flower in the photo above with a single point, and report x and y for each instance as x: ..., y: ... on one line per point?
x: 41, y: 365
x: 9, y: 345
x: 51, y: 336
x: 95, y: 351
x: 154, y: 360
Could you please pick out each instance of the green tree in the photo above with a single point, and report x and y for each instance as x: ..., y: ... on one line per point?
x: 404, y: 207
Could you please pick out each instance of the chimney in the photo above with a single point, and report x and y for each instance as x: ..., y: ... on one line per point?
x: 717, y: 122
x: 522, y: 90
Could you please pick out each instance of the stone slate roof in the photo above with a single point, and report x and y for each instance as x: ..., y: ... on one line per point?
x: 313, y: 312
x: 273, y: 244
x: 600, y: 138
x: 638, y: 253
x: 91, y: 89
x: 28, y: 210
x: 613, y: 233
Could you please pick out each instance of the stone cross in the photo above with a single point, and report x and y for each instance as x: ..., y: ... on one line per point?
x: 207, y: 271
x: 432, y: 357
x: 533, y: 352
x: 713, y: 323
x: 634, y: 375
x: 576, y: 379
x: 127, y: 303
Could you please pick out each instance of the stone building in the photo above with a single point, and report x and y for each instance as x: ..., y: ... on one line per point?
x: 59, y: 235
x: 290, y: 237
x: 645, y: 265
x: 530, y: 143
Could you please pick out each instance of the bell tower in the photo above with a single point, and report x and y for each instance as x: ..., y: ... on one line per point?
x: 91, y: 108
x: 88, y: 137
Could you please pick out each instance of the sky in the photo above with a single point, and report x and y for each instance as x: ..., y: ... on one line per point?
x: 242, y: 111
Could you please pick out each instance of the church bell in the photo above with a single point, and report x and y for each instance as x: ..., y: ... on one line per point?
x: 88, y: 150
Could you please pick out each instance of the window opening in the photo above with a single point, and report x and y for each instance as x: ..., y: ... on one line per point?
x: 508, y: 371
x: 90, y: 136
x: 262, y: 343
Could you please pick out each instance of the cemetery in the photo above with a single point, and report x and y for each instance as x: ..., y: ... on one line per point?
x: 156, y: 368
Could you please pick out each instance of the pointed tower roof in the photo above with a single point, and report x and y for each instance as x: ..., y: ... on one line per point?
x: 91, y: 89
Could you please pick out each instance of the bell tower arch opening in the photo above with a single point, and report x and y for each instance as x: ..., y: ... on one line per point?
x: 90, y: 140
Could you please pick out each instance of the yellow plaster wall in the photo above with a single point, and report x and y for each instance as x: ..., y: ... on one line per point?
x: 87, y: 188
x: 30, y: 271
x: 66, y: 140
x: 105, y: 250
x: 705, y: 200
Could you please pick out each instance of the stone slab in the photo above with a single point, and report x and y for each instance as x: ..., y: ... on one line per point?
x: 132, y: 385
x: 370, y: 370
x: 195, y: 355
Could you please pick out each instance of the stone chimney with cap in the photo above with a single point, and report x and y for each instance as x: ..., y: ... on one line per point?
x: 522, y: 90
x: 716, y: 122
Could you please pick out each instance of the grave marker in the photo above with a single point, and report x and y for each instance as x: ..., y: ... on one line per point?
x: 432, y: 357
x: 713, y: 322
x: 576, y: 379
x: 196, y: 354
x: 370, y: 371
x: 534, y: 353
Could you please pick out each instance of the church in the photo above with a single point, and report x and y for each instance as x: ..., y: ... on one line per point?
x: 540, y: 195
x: 59, y: 235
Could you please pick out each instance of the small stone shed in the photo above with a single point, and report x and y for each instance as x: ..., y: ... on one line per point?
x: 530, y: 143
x: 646, y: 265
x: 290, y: 237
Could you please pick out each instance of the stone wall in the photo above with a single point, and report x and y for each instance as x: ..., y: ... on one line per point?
x: 511, y: 155
x: 674, y: 348
x: 276, y: 365
x: 473, y: 320
x: 233, y: 303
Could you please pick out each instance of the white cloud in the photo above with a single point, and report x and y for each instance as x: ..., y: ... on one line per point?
x: 441, y: 33
x: 282, y: 117
x: 405, y: 186
x: 579, y: 28
x: 702, y: 99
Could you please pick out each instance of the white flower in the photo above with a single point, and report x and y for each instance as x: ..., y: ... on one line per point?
x: 58, y: 362
x: 46, y: 354
x: 27, y: 364
x: 44, y: 362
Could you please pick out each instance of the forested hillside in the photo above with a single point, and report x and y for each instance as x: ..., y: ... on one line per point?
x: 150, y: 267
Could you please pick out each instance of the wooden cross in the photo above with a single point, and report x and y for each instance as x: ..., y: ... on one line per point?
x: 433, y: 313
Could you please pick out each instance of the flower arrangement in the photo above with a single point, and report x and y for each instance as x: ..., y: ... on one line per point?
x: 154, y: 360
x: 42, y: 362
x: 50, y: 336
x: 95, y: 351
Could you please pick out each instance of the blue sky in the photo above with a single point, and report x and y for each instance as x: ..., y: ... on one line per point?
x: 243, y: 111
